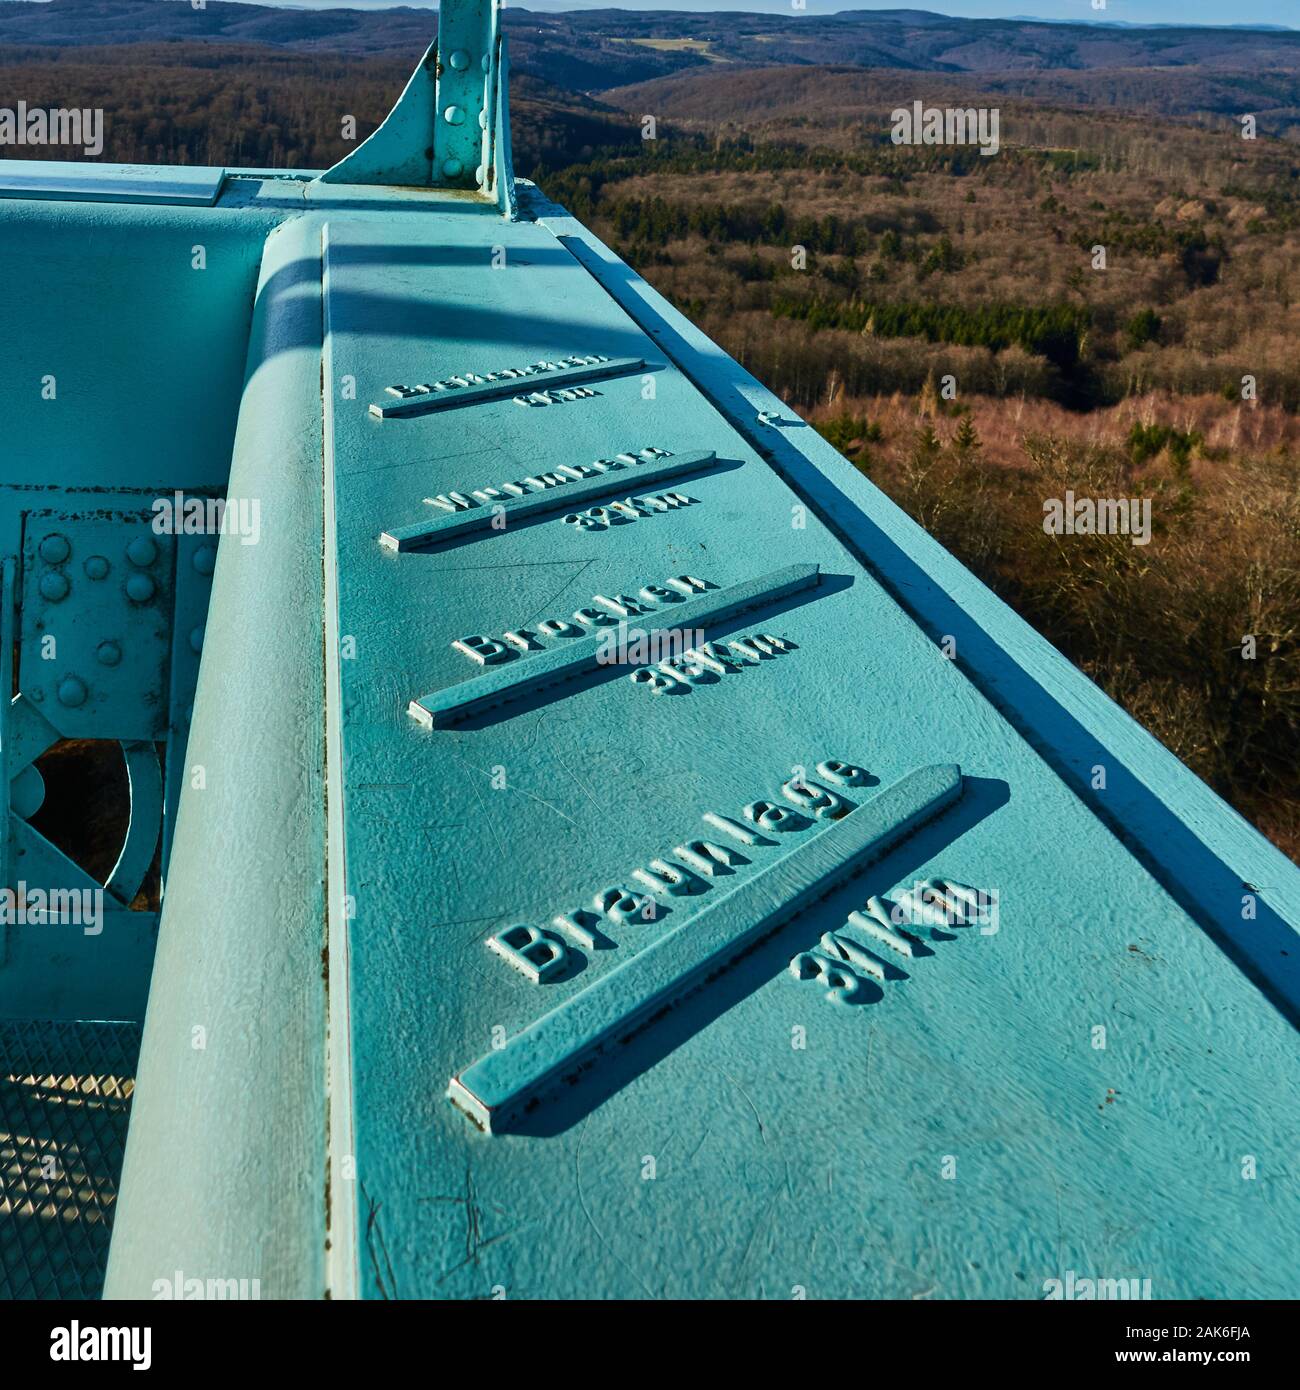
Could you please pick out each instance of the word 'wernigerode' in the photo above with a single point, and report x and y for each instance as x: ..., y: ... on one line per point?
x: 541, y: 482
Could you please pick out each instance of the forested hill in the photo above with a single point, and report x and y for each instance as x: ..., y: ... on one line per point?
x: 594, y: 50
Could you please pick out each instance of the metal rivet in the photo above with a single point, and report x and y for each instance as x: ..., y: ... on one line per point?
x: 196, y: 639
x: 460, y: 60
x: 452, y: 168
x: 96, y: 567
x: 205, y: 559
x: 482, y: 120
x: 55, y: 586
x: 454, y: 115
x: 480, y: 176
x: 109, y: 653
x: 55, y: 549
x: 28, y: 793
x: 72, y: 692
x: 142, y: 551
x: 486, y: 62
x: 139, y: 588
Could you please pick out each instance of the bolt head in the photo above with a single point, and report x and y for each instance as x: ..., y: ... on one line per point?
x: 72, y: 692
x: 54, y: 586
x: 140, y: 588
x: 55, y: 549
x: 142, y: 551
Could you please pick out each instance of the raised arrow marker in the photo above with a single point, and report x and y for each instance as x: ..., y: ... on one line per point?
x: 504, y: 1084
x: 514, y: 679
x: 485, y: 518
x: 429, y: 401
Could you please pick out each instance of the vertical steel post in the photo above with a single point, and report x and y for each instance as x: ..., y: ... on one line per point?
x: 7, y: 580
x: 467, y: 57
x: 450, y: 127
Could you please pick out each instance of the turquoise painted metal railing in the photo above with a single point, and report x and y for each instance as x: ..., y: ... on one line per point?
x: 606, y: 848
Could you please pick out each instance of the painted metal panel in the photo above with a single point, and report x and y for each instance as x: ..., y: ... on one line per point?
x: 818, y: 1115
x: 96, y: 632
x: 165, y: 295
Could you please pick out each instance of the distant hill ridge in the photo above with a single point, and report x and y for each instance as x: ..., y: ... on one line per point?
x: 595, y: 50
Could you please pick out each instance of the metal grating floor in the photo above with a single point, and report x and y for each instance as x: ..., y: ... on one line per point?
x: 65, y: 1097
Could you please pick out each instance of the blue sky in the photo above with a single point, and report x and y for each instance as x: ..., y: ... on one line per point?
x: 1124, y: 11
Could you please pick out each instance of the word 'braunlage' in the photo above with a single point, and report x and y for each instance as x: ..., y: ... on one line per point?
x: 541, y: 954
x: 510, y: 1080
